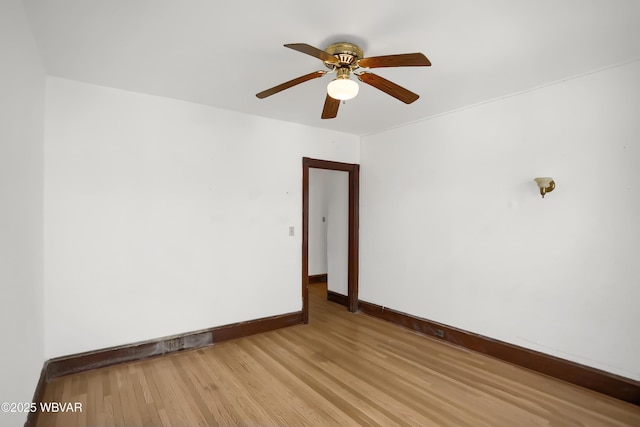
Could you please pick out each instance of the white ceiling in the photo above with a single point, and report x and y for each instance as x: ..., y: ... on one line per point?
x: 221, y: 53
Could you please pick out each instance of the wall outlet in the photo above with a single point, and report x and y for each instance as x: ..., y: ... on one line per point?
x: 292, y: 231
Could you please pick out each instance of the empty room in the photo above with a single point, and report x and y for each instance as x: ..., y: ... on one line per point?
x: 333, y: 213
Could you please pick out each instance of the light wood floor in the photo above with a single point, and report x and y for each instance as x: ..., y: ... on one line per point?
x: 342, y: 369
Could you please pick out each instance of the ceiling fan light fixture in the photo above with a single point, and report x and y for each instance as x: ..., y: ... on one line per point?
x: 342, y: 87
x: 345, y: 58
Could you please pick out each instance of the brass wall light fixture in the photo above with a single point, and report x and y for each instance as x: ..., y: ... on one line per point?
x: 546, y: 185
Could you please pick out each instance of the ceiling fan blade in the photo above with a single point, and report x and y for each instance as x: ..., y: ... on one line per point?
x: 313, y: 51
x: 388, y: 87
x: 402, y: 60
x: 330, y: 110
x: 290, y: 83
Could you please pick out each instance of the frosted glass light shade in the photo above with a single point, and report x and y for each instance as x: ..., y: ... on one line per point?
x: 544, y: 182
x: 342, y: 89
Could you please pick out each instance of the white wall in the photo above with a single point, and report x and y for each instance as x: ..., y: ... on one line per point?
x: 329, y: 240
x: 453, y: 228
x: 318, y: 211
x: 22, y: 83
x: 163, y: 217
x: 338, y: 231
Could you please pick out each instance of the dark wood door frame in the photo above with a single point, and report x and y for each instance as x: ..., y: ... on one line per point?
x: 354, y: 215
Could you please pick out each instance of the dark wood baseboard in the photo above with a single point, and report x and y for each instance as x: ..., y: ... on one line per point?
x: 594, y: 379
x: 81, y: 362
x: 338, y: 298
x: 76, y: 363
x: 317, y: 278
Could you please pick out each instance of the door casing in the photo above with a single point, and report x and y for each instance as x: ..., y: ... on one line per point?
x: 354, y: 218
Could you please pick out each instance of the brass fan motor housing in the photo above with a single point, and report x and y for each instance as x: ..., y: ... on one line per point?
x: 347, y: 53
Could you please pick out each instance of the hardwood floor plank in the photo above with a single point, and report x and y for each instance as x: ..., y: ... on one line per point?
x: 165, y: 404
x: 176, y: 395
x: 116, y: 396
x: 407, y: 386
x: 342, y: 369
x: 288, y: 391
x: 216, y: 399
x: 256, y: 375
x: 65, y: 419
x: 331, y: 390
x: 98, y: 401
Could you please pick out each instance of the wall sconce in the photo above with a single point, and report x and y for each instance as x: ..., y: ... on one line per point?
x: 546, y: 185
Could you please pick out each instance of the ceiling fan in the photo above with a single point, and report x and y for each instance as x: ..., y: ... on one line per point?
x: 345, y: 59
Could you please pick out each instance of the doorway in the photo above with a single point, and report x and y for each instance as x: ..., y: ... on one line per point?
x: 353, y: 223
